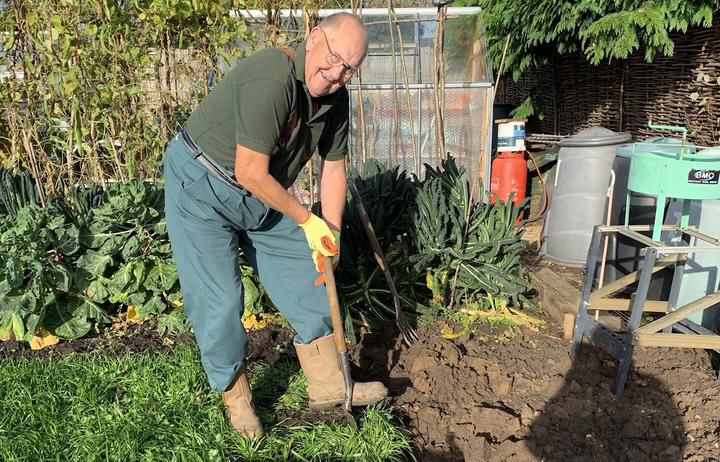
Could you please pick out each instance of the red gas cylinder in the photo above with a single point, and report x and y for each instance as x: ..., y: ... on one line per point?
x: 508, y: 175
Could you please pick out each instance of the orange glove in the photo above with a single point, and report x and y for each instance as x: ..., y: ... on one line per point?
x: 320, y: 261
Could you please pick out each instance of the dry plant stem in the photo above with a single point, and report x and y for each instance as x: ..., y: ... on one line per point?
x: 44, y: 166
x: 439, y: 83
x: 486, y: 120
x: 26, y: 139
x: 69, y: 149
x: 441, y: 76
x: 472, y: 74
x: 306, y: 17
x: 116, y: 158
x: 33, y: 166
x: 173, y: 70
x: 502, y: 65
x: 168, y: 78
x: 372, y: 142
x: 361, y: 120
x: 416, y: 154
x: 158, y: 77
x: 99, y: 175
x: 12, y: 121
x: 311, y: 178
x: 396, y: 109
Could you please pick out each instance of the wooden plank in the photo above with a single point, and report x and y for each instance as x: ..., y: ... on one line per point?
x: 625, y: 304
x: 558, y: 298
x: 680, y: 314
x: 709, y: 342
x: 631, y: 278
x: 701, y: 236
x: 639, y: 237
x: 614, y: 228
x: 568, y: 326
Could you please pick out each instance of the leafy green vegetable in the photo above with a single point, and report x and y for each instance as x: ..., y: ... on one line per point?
x: 35, y: 246
x: 478, y: 241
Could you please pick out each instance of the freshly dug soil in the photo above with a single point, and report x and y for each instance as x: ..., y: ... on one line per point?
x: 494, y: 395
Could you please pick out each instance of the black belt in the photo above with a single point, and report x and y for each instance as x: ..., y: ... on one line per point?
x: 187, y: 139
x: 209, y: 163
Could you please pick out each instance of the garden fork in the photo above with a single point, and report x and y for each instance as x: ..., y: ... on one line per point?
x: 408, y: 333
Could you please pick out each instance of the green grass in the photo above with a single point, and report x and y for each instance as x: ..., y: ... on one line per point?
x: 158, y: 407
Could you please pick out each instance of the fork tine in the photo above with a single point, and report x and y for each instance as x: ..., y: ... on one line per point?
x: 408, y: 333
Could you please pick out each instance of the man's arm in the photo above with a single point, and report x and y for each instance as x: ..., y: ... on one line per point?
x: 253, y: 173
x: 333, y: 190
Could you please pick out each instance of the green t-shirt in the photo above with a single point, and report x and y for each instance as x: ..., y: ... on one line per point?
x: 263, y: 104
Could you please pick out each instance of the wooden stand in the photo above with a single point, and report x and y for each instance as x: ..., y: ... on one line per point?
x: 656, y: 256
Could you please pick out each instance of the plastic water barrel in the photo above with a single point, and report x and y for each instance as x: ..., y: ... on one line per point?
x: 579, y: 196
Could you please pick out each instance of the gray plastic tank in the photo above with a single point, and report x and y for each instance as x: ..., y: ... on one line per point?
x: 580, y: 194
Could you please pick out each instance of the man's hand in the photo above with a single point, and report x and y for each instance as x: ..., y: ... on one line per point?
x: 320, y: 261
x: 333, y: 184
x: 319, y: 236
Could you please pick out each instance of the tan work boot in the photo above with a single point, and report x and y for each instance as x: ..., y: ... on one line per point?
x: 239, y: 408
x: 326, y: 388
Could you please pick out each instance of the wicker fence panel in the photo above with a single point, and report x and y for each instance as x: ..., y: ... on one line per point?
x: 587, y: 95
x: 680, y: 90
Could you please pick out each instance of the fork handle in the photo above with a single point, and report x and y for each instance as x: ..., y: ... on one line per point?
x: 331, y: 289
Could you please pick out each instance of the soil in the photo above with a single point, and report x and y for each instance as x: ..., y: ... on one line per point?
x: 144, y: 337
x: 498, y: 395
x: 506, y: 395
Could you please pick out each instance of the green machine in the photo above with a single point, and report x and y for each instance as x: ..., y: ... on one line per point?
x: 655, y: 171
x: 683, y: 175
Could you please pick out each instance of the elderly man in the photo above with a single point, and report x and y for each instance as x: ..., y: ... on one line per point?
x: 227, y: 174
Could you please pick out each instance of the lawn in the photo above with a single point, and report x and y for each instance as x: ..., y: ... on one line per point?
x: 156, y: 406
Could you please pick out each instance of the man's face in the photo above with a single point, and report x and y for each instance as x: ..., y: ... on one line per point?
x: 332, y: 57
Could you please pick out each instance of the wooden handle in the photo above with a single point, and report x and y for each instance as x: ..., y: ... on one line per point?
x: 334, y: 303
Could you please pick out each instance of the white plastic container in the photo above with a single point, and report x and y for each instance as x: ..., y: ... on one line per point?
x: 511, y: 136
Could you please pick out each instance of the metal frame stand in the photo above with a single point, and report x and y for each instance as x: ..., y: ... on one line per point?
x: 656, y: 256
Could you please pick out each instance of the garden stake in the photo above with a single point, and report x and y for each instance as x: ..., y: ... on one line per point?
x: 408, y: 333
x: 339, y: 335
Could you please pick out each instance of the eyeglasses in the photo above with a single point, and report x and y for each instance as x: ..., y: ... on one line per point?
x: 334, y: 60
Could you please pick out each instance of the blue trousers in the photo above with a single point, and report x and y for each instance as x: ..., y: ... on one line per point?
x: 208, y: 222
